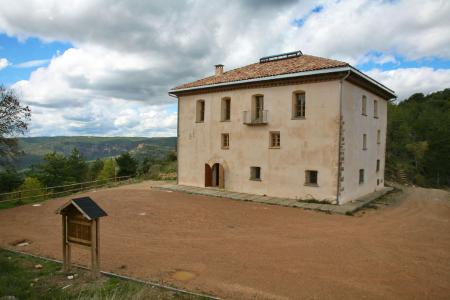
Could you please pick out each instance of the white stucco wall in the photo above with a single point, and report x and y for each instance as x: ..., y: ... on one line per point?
x: 309, y: 144
x: 355, y: 158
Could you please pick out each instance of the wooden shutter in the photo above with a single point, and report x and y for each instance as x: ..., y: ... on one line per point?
x: 221, y: 177
x: 208, y: 175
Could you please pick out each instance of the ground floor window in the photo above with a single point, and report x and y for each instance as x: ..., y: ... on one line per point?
x: 311, y: 177
x: 225, y: 140
x: 361, y: 176
x: 255, y: 173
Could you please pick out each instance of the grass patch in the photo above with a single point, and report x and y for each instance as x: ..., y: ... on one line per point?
x: 10, y: 204
x: 20, y: 278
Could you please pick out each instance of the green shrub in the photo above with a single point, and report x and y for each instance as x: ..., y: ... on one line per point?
x: 32, y: 190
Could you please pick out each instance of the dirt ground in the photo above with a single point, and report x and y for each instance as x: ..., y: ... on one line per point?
x: 244, y: 250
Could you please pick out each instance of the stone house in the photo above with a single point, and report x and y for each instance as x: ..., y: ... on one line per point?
x: 291, y: 125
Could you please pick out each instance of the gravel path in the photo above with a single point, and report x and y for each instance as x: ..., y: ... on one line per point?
x: 247, y: 250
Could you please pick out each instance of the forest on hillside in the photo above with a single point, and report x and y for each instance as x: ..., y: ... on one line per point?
x: 33, y: 149
x: 418, y: 140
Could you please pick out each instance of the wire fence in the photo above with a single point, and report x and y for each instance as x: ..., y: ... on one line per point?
x: 39, y: 194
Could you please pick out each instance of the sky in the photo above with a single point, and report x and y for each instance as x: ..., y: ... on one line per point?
x: 104, y: 67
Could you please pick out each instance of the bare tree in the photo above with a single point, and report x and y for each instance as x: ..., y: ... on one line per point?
x: 14, y: 119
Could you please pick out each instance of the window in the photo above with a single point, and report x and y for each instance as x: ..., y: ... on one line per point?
x: 378, y: 165
x: 298, y: 105
x: 378, y: 136
x: 226, y: 109
x: 200, y: 115
x: 311, y: 177
x: 255, y: 173
x: 364, y: 106
x: 274, y: 139
x: 225, y: 140
x: 361, y: 176
x: 258, y: 107
x: 364, y: 141
x: 375, y: 108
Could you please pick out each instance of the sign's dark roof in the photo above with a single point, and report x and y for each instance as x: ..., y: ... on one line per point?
x: 89, y: 207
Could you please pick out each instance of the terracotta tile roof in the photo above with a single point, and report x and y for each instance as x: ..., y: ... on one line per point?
x: 272, y: 68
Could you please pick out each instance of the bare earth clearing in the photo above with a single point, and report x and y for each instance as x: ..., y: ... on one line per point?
x: 246, y: 250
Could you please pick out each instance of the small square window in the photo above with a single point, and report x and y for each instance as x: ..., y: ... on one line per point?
x: 225, y: 140
x: 275, y: 141
x: 378, y: 165
x: 311, y: 177
x: 255, y: 173
x: 361, y: 176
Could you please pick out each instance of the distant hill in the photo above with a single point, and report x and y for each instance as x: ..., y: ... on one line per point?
x: 35, y: 148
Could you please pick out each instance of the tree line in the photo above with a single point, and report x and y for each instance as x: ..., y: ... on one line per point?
x: 418, y: 140
x: 58, y: 169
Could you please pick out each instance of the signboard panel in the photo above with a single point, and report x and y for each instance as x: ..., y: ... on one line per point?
x: 79, y: 231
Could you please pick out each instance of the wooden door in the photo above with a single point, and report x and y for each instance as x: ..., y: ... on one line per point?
x: 221, y: 177
x: 208, y: 175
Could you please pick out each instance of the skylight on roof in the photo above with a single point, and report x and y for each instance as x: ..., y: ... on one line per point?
x: 280, y: 56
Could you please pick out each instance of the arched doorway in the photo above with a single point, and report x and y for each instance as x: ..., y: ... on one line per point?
x: 215, y: 176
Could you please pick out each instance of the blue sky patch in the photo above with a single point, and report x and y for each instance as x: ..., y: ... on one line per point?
x: 26, y: 56
x: 391, y: 61
x: 301, y: 21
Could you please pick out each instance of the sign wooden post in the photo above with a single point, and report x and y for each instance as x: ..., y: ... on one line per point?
x: 80, y: 227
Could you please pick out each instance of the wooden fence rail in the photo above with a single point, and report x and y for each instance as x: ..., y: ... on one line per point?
x: 61, y: 190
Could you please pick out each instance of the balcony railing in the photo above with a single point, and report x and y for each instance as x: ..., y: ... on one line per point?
x: 255, y: 118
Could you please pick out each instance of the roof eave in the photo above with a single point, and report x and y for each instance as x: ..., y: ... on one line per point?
x: 174, y: 92
x: 373, y: 81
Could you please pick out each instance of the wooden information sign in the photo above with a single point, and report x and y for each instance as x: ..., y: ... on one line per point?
x: 80, y: 226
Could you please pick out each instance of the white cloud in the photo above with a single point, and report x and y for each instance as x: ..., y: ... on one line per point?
x: 4, y: 63
x: 32, y: 63
x: 126, y: 55
x: 379, y: 58
x: 85, y: 91
x: 105, y: 118
x: 406, y: 81
x: 349, y: 29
